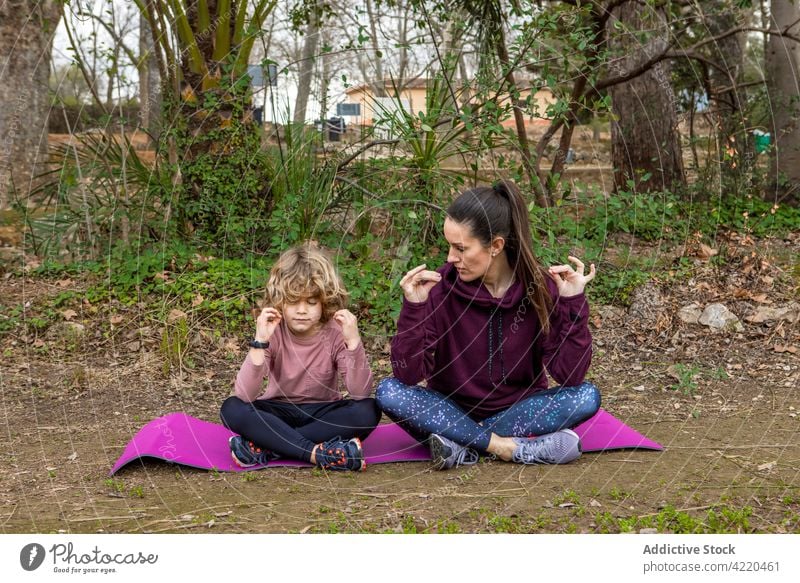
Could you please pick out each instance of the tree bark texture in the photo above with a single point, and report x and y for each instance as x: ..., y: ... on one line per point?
x: 149, y: 81
x: 783, y: 68
x: 306, y: 74
x: 728, y: 97
x: 202, y: 121
x: 26, y: 37
x: 644, y: 138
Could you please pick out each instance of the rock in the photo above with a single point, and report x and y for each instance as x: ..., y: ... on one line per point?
x: 719, y: 318
x: 690, y: 314
x: 648, y: 531
x: 71, y: 330
x: 790, y: 312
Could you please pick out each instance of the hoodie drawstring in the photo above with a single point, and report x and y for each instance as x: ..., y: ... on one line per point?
x: 499, y: 343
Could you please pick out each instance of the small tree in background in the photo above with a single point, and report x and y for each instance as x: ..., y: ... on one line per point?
x: 220, y: 176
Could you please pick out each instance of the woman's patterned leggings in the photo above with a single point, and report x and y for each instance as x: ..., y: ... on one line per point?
x: 421, y: 411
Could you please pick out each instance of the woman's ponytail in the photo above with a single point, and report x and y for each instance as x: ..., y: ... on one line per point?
x: 527, y: 267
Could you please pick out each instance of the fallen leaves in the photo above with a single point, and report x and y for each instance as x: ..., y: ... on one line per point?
x: 704, y: 252
x: 780, y: 348
x: 176, y: 315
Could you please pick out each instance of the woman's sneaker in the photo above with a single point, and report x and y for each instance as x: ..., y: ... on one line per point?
x: 341, y: 456
x: 247, y: 454
x: 560, y: 447
x: 446, y: 453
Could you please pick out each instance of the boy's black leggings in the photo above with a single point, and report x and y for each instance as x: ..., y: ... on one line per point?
x: 292, y: 430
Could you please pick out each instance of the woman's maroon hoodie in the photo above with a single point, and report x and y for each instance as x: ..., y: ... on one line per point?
x: 487, y: 353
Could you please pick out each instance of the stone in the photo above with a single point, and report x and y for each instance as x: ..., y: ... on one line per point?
x: 790, y: 313
x: 690, y: 314
x: 719, y: 318
x: 71, y: 330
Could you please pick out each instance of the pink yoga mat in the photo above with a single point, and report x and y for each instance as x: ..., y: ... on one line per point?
x: 181, y: 439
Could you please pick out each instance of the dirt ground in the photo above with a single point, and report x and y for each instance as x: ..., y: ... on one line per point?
x: 724, y: 405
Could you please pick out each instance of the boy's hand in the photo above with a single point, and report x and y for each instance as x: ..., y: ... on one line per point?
x: 267, y: 321
x: 347, y: 320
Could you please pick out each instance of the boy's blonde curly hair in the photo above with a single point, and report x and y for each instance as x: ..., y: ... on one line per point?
x: 302, y: 272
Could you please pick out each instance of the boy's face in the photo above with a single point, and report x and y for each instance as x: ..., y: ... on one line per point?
x: 303, y: 317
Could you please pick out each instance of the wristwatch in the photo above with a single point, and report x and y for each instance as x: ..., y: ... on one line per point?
x: 257, y: 344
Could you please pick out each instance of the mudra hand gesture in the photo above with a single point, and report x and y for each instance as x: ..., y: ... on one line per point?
x: 571, y: 282
x: 266, y: 322
x: 418, y: 283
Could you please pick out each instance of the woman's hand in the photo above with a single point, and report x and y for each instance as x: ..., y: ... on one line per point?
x: 267, y: 321
x: 418, y: 283
x: 569, y: 281
x: 347, y: 320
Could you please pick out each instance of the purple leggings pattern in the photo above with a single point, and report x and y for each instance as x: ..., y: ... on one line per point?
x: 422, y: 411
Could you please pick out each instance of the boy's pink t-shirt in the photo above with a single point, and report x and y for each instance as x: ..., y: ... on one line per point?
x: 306, y: 370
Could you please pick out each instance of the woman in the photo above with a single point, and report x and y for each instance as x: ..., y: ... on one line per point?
x: 481, y: 330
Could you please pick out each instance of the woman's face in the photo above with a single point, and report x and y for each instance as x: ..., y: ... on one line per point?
x: 467, y: 254
x: 303, y: 316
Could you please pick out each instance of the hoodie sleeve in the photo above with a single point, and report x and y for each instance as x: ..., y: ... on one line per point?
x: 414, y: 344
x: 567, y: 350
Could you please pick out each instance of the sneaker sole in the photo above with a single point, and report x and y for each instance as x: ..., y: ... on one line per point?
x: 438, y: 457
x: 363, y: 466
x: 236, y: 460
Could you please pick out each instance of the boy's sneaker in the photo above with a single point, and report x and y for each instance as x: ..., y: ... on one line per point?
x: 341, y: 456
x: 446, y: 453
x: 247, y: 454
x: 560, y: 447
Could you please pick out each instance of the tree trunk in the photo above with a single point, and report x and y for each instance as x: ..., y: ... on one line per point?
x: 203, y: 121
x: 307, y: 66
x: 735, y: 149
x: 783, y: 67
x: 404, y: 16
x: 149, y: 81
x: 644, y: 142
x: 325, y: 85
x: 519, y: 118
x: 217, y: 142
x: 26, y: 36
x: 379, y: 85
